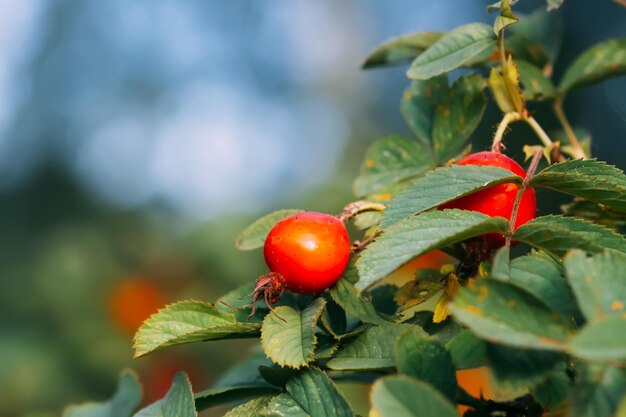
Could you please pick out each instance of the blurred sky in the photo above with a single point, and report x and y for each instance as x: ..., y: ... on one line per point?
x: 206, y: 106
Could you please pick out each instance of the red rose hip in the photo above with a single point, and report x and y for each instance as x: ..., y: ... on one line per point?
x: 499, y: 199
x: 309, y: 251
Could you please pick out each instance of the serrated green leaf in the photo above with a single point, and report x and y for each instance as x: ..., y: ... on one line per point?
x: 253, y: 237
x: 389, y: 160
x: 418, y: 106
x: 602, y: 341
x: 598, y: 392
x: 315, y: 394
x: 467, y: 351
x: 515, y: 369
x: 558, y: 234
x: 417, y: 235
x: 598, y: 283
x: 452, y: 50
x: 187, y: 322
x: 126, y: 398
x: 401, y: 396
x: 250, y: 408
x: 443, y: 185
x: 425, y: 358
x: 344, y: 294
x: 541, y: 276
x: 554, y: 4
x: 372, y: 349
x: 600, y: 62
x: 537, y: 38
x: 502, y: 313
x: 224, y: 395
x: 590, y: 179
x: 536, y: 86
x: 291, y: 342
x: 177, y: 402
x: 457, y: 115
x: 401, y: 50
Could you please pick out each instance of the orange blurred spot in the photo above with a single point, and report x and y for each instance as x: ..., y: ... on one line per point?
x: 476, y: 382
x: 133, y: 300
x: 432, y: 260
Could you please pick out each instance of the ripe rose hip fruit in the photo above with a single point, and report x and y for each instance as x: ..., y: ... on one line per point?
x: 309, y: 251
x: 306, y: 253
x: 499, y: 199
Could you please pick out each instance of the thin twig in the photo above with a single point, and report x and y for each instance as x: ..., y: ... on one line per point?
x: 506, y: 120
x: 543, y: 136
x: 357, y: 207
x: 534, y: 163
x: 560, y: 114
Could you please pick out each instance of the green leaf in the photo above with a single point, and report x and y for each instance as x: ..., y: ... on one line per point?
x: 467, y: 351
x: 590, y: 179
x: 443, y: 185
x: 186, y: 322
x: 594, y: 212
x: 537, y: 38
x: 372, y: 349
x: 283, y: 406
x: 344, y: 294
x: 554, y: 389
x: 502, y: 313
x: 457, y: 115
x: 536, y: 86
x: 367, y: 220
x: 417, y: 235
x: 600, y: 62
x: 454, y: 49
x: 601, y: 294
x: 425, y: 285
x: 178, y: 401
x: 253, y: 237
x: 506, y: 17
x: 515, y: 369
x: 554, y: 4
x: 401, y: 396
x: 598, y: 392
x: 291, y: 342
x: 126, y: 398
x: 558, y: 234
x: 401, y: 50
x: 390, y: 160
x: 425, y: 358
x: 541, y: 276
x: 251, y: 408
x: 311, y: 393
x: 602, y: 341
x: 418, y: 106
x: 225, y: 395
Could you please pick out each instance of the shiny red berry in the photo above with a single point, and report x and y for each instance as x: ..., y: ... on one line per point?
x: 499, y: 199
x: 308, y: 251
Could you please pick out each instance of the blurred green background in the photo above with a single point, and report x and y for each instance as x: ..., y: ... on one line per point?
x: 138, y: 138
